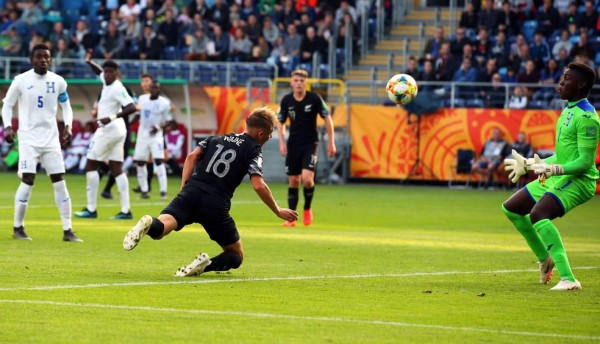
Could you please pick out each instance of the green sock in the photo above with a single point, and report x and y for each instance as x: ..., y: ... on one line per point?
x: 524, y: 226
x: 551, y: 236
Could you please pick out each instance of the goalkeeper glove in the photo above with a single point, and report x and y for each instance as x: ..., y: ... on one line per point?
x: 519, y: 166
x: 544, y: 170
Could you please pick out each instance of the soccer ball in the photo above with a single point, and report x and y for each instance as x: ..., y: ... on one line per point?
x: 401, y: 89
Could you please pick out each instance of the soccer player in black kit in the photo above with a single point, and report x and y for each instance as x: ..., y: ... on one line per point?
x: 302, y: 107
x: 211, y: 173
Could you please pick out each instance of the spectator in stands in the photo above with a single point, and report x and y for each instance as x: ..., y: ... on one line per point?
x: 585, y: 59
x: 286, y: 15
x: 184, y: 20
x: 326, y: 28
x: 571, y: 18
x: 522, y: 146
x: 540, y: 52
x: 199, y: 7
x: 61, y: 52
x: 467, y: 74
x: 111, y: 44
x: 492, y: 154
x: 486, y: 74
x: 130, y: 8
x: 482, y: 47
x: 276, y: 52
x: 9, y: 20
x: 304, y: 24
x: 583, y: 46
x: 500, y: 50
x: 240, y: 47
x: 57, y: 33
x: 459, y: 41
x: 168, y: 5
x: 198, y: 46
x: 589, y: 17
x: 549, y: 76
x: 443, y: 64
x: 562, y: 6
x: 81, y: 40
x: 412, y: 68
x: 494, y: 96
x: 168, y: 30
x: 150, y: 47
x: 270, y: 31
x: 432, y: 47
x: 508, y: 20
x: 529, y: 76
x: 312, y: 44
x: 469, y: 19
x: 563, y: 43
x: 488, y: 17
x: 563, y: 59
x: 150, y: 20
x: 31, y: 15
x: 427, y: 74
x: 519, y: 61
x: 346, y: 8
x: 515, y: 48
x: 234, y: 15
x: 253, y: 29
x: 75, y: 154
x: 133, y: 30
x: 518, y: 99
x: 548, y: 18
x: 291, y: 50
x: 219, y: 15
x: 248, y: 9
x: 221, y: 41
x: 150, y: 6
x: 261, y: 51
x: 198, y: 23
x: 14, y: 46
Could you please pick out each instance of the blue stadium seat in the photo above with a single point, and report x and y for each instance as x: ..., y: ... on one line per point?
x: 241, y: 74
x: 205, y: 73
x: 185, y: 71
x: 131, y: 70
x: 262, y: 71
x: 154, y: 69
x: 528, y: 29
x: 474, y: 103
x: 79, y: 70
x: 538, y: 104
x: 170, y: 54
x: 597, y: 59
x: 169, y: 70
x: 221, y: 75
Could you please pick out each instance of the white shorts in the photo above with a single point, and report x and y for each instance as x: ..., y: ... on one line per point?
x: 50, y: 157
x: 104, y: 147
x: 146, y: 145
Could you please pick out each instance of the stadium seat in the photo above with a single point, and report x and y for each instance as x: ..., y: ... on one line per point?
x: 131, y: 70
x: 221, y: 75
x: 171, y: 54
x: 241, y: 74
x: 185, y: 71
x: 204, y: 73
x: 538, y: 104
x: 474, y: 103
x: 79, y: 70
x: 154, y: 69
x: 528, y: 29
x: 169, y: 70
x: 262, y: 71
x: 464, y: 162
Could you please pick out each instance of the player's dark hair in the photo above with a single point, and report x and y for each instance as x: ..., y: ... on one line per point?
x: 39, y: 46
x: 147, y: 75
x: 262, y: 118
x: 110, y: 64
x: 586, y: 72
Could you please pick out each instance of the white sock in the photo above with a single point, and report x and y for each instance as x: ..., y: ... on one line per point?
x: 93, y: 180
x: 142, y: 176
x: 21, y: 201
x: 63, y: 202
x: 123, y: 186
x: 161, y: 172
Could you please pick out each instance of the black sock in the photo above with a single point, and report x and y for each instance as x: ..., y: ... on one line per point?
x: 225, y: 261
x: 150, y: 167
x: 110, y: 182
x: 293, y: 198
x: 308, y: 196
x: 156, y: 229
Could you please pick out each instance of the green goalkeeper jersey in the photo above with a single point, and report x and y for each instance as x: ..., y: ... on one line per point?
x: 577, y: 134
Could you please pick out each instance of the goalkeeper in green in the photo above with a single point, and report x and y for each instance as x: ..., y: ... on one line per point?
x: 565, y: 179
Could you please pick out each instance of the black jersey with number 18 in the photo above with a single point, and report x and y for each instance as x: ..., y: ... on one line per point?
x: 303, y: 117
x: 224, y: 162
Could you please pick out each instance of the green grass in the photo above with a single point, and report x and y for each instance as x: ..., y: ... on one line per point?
x: 381, y: 264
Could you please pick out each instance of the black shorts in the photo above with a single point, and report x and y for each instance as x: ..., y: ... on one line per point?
x: 301, y: 158
x: 194, y: 205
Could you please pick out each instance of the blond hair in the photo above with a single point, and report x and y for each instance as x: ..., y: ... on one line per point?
x: 301, y: 73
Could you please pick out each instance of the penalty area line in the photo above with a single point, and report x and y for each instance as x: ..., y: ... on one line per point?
x: 267, y: 279
x: 302, y: 318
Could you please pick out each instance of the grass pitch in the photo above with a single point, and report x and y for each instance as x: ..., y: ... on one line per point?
x: 381, y: 264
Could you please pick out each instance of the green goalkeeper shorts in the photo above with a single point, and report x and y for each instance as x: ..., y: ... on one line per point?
x: 570, y: 191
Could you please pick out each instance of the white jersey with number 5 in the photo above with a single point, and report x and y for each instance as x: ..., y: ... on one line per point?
x: 112, y: 99
x: 153, y: 113
x: 38, y: 97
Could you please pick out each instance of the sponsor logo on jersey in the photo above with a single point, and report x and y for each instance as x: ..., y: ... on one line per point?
x: 307, y: 108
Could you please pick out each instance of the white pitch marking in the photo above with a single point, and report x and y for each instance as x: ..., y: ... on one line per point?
x: 141, y: 203
x: 261, y: 279
x: 305, y: 318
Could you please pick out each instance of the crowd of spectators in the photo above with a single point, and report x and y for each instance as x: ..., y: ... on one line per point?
x: 283, y: 32
x: 512, y: 41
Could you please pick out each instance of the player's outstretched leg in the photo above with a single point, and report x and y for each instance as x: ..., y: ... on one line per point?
x: 133, y: 237
x: 196, y: 267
